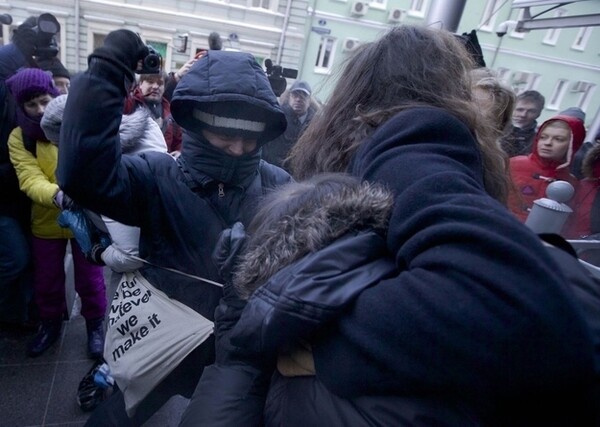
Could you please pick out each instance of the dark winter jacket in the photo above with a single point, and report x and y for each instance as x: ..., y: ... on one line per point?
x: 171, y: 201
x: 478, y: 310
x: 585, y: 219
x: 276, y: 151
x: 13, y: 202
x: 519, y: 141
x: 477, y: 325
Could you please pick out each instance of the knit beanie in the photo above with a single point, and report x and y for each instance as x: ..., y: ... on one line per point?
x: 54, y: 66
x: 52, y: 118
x: 574, y: 112
x: 28, y: 82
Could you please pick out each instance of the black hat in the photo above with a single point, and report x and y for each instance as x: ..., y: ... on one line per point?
x: 54, y: 66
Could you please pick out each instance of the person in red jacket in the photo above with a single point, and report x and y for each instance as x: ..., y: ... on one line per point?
x: 150, y: 94
x: 554, y: 145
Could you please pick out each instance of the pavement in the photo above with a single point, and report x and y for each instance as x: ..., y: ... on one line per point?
x: 42, y: 391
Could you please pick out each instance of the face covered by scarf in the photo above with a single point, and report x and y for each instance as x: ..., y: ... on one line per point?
x: 203, y: 159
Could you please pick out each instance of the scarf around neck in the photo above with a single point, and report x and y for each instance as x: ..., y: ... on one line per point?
x: 30, y: 126
x: 203, y: 159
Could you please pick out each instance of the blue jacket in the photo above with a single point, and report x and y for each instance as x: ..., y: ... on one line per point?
x: 179, y: 220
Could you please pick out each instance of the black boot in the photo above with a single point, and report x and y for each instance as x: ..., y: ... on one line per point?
x: 47, y: 334
x: 95, y: 333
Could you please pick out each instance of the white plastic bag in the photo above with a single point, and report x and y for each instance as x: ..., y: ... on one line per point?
x: 148, y: 335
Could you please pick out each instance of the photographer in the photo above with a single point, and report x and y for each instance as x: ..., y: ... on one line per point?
x: 227, y: 107
x: 15, y: 289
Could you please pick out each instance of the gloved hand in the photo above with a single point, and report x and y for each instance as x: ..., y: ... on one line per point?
x: 124, y: 48
x: 25, y: 38
x: 227, y: 249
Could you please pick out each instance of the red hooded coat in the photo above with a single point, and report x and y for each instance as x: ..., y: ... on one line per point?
x: 531, y: 174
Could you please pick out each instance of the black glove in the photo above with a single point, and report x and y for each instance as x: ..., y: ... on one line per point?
x: 25, y: 37
x: 229, y: 246
x: 123, y: 48
x: 95, y: 254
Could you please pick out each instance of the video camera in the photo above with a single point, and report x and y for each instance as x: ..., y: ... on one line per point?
x: 45, y: 31
x: 277, y: 76
x: 152, y: 63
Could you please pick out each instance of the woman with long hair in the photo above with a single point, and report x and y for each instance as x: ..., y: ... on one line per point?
x: 476, y: 325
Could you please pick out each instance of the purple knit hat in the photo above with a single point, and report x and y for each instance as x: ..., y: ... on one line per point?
x: 30, y: 81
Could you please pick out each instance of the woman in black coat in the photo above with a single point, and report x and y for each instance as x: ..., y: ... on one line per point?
x: 477, y: 316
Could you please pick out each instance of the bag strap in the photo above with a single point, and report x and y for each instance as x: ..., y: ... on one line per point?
x: 172, y: 270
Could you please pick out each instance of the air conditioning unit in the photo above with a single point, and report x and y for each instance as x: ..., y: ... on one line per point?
x: 350, y: 44
x: 395, y: 15
x: 519, y: 77
x: 359, y: 8
x: 581, y: 86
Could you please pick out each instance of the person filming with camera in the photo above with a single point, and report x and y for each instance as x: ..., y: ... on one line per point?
x: 228, y: 111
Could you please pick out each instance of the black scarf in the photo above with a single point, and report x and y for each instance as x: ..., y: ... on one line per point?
x: 204, y: 160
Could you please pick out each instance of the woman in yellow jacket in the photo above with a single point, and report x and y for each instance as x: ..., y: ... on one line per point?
x: 35, y: 160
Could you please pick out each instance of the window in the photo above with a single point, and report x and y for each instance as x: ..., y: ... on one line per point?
x: 325, y: 55
x: 417, y: 8
x: 514, y: 33
x: 160, y: 47
x: 260, y: 3
x: 586, y: 96
x: 263, y: 4
x: 489, y: 15
x: 552, y: 34
x: 378, y: 4
x: 503, y: 73
x: 582, y: 38
x: 98, y: 40
x: 557, y: 95
x: 524, y: 80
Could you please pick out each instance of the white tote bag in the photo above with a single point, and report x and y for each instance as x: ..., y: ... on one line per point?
x: 148, y: 335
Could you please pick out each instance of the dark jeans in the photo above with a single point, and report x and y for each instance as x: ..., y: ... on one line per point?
x: 182, y: 381
x: 15, y: 271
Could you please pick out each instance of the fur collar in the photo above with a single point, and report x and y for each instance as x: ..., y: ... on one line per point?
x: 367, y: 207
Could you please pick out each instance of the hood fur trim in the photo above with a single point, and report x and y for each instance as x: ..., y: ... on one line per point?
x: 310, y: 229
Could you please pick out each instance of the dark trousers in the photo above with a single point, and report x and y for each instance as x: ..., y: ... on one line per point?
x: 15, y: 271
x: 182, y: 381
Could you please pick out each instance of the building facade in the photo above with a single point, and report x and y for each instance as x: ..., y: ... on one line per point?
x: 316, y: 36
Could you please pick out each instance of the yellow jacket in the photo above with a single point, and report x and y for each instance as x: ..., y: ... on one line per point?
x: 37, y: 180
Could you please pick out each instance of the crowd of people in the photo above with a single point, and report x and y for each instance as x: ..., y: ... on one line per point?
x: 360, y: 262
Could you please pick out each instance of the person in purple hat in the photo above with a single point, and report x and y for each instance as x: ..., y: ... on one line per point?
x: 34, y: 159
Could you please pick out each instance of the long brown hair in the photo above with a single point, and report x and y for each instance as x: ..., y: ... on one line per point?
x: 409, y: 66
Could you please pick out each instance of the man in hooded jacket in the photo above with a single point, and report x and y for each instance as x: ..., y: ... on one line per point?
x: 228, y: 111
